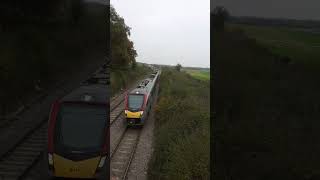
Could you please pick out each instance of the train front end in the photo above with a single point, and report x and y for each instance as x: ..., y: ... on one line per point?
x: 78, y: 140
x: 134, y: 110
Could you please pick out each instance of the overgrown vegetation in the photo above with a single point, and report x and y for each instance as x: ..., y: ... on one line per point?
x: 182, y: 134
x: 267, y: 112
x: 123, y: 78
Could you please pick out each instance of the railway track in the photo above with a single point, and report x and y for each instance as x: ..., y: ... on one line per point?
x: 19, y: 160
x: 122, y: 155
x: 116, y: 112
x: 116, y: 101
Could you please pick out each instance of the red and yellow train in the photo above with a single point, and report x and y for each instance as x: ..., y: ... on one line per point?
x: 78, y: 134
x: 138, y: 102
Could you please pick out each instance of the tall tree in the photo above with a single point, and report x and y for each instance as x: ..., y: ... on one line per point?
x: 123, y: 53
x: 219, y: 16
x: 178, y: 67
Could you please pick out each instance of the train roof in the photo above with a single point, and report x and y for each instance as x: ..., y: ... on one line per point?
x: 88, y: 93
x: 143, y: 87
x: 93, y: 90
x: 139, y: 91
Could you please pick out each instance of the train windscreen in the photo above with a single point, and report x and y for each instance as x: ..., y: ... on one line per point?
x: 81, y: 126
x: 135, y: 101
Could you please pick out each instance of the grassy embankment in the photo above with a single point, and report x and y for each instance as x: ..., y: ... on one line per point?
x: 47, y: 51
x: 182, y: 128
x: 267, y: 110
x: 124, y: 78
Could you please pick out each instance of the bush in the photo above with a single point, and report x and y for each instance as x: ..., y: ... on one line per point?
x: 182, y: 134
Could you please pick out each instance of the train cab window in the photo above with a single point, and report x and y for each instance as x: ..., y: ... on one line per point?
x: 135, y: 101
x: 81, y: 126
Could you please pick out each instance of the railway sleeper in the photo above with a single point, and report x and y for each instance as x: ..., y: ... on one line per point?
x: 33, y: 145
x: 28, y: 153
x: 20, y: 158
x: 15, y: 163
x: 36, y: 141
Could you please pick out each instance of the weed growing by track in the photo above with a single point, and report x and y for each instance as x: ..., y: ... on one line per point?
x: 181, y: 149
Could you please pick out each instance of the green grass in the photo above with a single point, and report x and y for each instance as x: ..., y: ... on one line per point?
x: 199, y: 74
x: 182, y: 133
x: 296, y: 44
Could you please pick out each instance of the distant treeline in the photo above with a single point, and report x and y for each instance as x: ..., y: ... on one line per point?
x: 275, y: 22
x: 197, y: 68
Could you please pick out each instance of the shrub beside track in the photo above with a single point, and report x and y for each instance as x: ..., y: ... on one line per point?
x: 181, y: 149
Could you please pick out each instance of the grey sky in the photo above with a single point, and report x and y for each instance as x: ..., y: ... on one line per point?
x: 295, y: 9
x: 168, y: 31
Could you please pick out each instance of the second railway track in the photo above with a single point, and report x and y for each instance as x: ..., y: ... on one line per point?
x: 16, y: 163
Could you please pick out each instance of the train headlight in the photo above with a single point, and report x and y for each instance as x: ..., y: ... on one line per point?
x: 125, y: 112
x: 141, y: 113
x: 102, y: 160
x: 50, y: 159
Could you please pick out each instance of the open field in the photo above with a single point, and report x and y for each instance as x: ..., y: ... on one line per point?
x: 199, y: 74
x: 182, y: 133
x: 297, y: 44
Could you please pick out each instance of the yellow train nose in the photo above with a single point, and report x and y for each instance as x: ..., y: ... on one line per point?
x: 130, y: 114
x: 75, y: 169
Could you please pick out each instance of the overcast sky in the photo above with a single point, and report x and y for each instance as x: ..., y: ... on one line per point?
x: 293, y: 9
x: 168, y: 31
